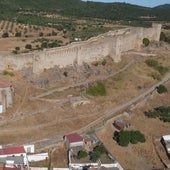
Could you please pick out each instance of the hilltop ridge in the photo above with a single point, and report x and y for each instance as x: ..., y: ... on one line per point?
x: 78, y: 8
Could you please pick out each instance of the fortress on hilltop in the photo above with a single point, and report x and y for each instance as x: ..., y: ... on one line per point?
x: 110, y: 44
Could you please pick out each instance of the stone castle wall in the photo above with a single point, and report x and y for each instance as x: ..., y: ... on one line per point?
x: 110, y: 44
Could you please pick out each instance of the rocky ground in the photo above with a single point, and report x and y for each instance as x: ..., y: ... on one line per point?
x: 44, y: 120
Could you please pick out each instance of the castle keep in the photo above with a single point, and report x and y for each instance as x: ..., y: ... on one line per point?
x: 6, y: 95
x: 110, y: 44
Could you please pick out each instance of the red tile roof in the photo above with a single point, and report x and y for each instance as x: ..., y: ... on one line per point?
x: 74, y: 137
x: 15, y: 168
x: 12, y: 150
x: 4, y: 84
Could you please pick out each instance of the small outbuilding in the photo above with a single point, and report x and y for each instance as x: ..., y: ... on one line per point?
x: 73, y: 140
x: 166, y: 142
x: 121, y: 124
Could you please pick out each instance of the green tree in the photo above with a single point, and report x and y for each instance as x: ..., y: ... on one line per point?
x: 161, y: 89
x: 65, y: 73
x: 5, y: 35
x: 17, y: 48
x: 18, y: 34
x: 95, y: 156
x: 41, y: 34
x: 44, y: 45
x: 146, y: 42
x: 28, y: 46
x: 124, y: 138
x: 101, y: 149
x: 82, y: 154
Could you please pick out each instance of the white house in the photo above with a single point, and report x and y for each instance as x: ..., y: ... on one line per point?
x: 37, y: 157
x: 166, y: 142
x: 73, y: 140
x: 29, y: 148
x: 13, y: 151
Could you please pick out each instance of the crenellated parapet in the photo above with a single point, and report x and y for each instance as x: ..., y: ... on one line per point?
x: 112, y: 44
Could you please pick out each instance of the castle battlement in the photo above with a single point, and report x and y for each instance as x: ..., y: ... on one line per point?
x: 112, y: 44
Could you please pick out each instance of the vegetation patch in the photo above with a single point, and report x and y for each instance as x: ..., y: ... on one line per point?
x: 82, y: 154
x: 6, y: 72
x: 161, y: 89
x: 97, y: 152
x: 155, y: 75
x: 154, y: 64
x: 162, y: 112
x: 165, y: 37
x: 123, y: 138
x: 146, y: 42
x: 97, y: 90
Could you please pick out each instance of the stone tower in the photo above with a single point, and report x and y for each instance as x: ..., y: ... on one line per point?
x: 6, y: 95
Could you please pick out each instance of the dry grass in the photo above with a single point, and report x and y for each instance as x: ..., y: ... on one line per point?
x: 65, y: 118
x: 140, y: 156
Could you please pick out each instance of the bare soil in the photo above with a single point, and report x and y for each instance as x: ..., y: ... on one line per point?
x: 65, y: 118
x: 141, y: 156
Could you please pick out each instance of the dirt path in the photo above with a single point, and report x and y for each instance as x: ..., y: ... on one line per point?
x: 83, y: 83
x: 118, y: 109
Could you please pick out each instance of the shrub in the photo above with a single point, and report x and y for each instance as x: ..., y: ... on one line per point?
x: 15, y: 52
x: 18, y: 34
x: 97, y: 90
x: 5, y: 72
x: 65, y: 73
x: 152, y: 114
x: 82, y: 154
x: 101, y: 149
x: 154, y: 64
x: 96, y: 64
x: 155, y: 75
x: 123, y: 138
x: 162, y: 112
x: 162, y: 36
x: 41, y: 34
x: 165, y: 38
x: 137, y: 136
x: 104, y: 62
x: 95, y: 156
x: 97, y: 152
x: 126, y: 137
x: 161, y: 89
x: 5, y: 35
x: 146, y: 42
x: 44, y: 45
x: 162, y: 70
x: 28, y: 46
x: 17, y: 48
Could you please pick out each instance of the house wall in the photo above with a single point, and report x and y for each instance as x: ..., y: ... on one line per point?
x: 38, y: 168
x: 18, y: 154
x: 110, y: 44
x: 29, y: 148
x: 37, y: 157
x: 76, y: 144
